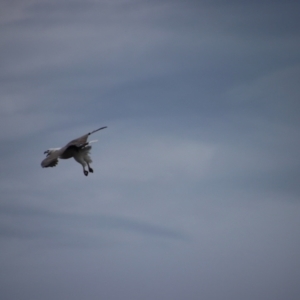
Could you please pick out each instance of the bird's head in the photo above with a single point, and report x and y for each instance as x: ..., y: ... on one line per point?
x: 50, y: 151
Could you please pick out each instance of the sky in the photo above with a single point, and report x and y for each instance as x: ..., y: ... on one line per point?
x: 195, y: 191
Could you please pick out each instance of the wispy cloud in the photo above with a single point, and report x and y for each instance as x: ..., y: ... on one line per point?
x: 195, y: 189
x: 58, y: 227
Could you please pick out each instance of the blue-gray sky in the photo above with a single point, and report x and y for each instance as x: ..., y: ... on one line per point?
x: 195, y: 193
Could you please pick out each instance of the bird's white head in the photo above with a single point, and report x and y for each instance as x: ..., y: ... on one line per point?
x: 51, y: 150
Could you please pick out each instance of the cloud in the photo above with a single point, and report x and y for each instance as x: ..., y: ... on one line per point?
x: 160, y: 158
x: 195, y: 189
x: 274, y: 94
x: 23, y: 222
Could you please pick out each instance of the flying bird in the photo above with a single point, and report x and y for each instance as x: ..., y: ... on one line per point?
x: 79, y: 149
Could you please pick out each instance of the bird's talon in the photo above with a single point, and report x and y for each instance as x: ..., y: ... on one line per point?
x: 86, y: 173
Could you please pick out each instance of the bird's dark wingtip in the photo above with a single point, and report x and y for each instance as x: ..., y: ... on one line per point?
x: 97, y: 130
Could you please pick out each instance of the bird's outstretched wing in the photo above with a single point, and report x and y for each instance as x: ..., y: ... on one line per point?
x: 82, y: 141
x: 52, y: 159
x: 53, y: 163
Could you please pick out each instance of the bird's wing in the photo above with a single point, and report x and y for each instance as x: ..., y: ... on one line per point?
x: 97, y: 129
x: 79, y: 142
x: 52, y: 163
x: 82, y: 141
x: 52, y: 159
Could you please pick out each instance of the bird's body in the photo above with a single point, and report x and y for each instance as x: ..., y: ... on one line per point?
x: 78, y: 148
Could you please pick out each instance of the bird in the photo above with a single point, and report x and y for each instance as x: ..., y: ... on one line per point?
x: 78, y: 148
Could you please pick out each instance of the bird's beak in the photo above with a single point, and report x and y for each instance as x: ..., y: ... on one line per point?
x: 46, y: 151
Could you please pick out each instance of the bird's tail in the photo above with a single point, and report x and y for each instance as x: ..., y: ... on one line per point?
x: 86, y: 151
x: 86, y: 154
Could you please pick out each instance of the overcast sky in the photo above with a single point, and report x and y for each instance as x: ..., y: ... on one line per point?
x: 195, y: 190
